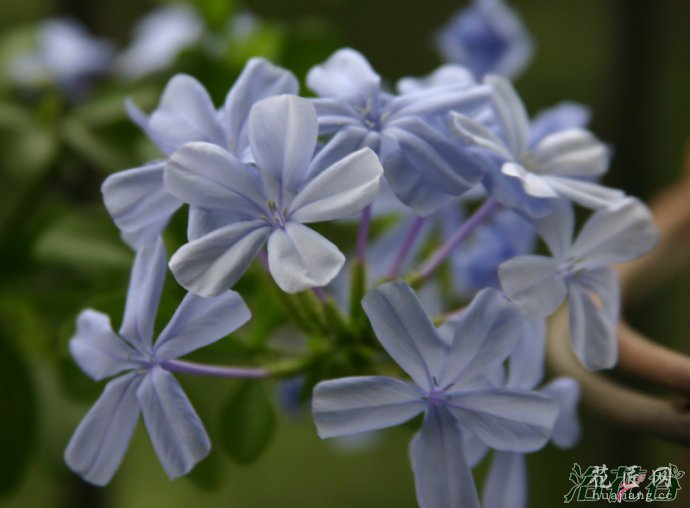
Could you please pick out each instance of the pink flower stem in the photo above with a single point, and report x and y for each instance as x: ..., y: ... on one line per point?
x: 412, y: 235
x: 480, y: 215
x: 200, y: 369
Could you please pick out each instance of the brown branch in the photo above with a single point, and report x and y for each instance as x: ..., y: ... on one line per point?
x: 618, y: 404
x: 659, y: 365
x: 671, y: 211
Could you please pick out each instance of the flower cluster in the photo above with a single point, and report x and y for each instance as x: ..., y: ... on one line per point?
x: 449, y: 164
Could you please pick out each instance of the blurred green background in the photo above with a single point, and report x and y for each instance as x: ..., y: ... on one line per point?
x: 59, y: 252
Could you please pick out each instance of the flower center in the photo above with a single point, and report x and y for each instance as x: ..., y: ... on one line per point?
x: 529, y: 162
x: 568, y: 267
x: 275, y: 216
x: 436, y: 397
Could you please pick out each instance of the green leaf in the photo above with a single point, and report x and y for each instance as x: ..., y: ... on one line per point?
x: 83, y: 140
x: 83, y: 240
x: 18, y: 435
x: 247, y: 422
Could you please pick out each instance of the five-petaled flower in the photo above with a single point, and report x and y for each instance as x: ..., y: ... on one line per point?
x: 147, y: 386
x: 136, y: 198
x: 580, y: 270
x: 454, y: 385
x: 242, y: 206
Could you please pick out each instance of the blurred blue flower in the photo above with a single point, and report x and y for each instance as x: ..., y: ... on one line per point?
x: 580, y: 270
x: 488, y: 37
x: 453, y: 373
x: 136, y: 198
x: 475, y: 264
x: 99, y: 443
x: 158, y: 39
x: 242, y: 206
x: 67, y: 55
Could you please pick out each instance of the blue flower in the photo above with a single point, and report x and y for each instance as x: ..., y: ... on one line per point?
x: 448, y: 75
x: 453, y: 385
x: 354, y: 107
x: 158, y: 39
x: 487, y: 37
x: 241, y: 207
x: 136, y: 198
x: 580, y: 270
x: 145, y: 385
x: 528, y: 175
x: 475, y: 263
x: 67, y: 54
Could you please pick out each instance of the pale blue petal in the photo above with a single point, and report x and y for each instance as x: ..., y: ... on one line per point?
x: 202, y: 221
x: 563, y: 116
x: 534, y: 283
x: 143, y: 294
x: 468, y: 101
x: 360, y: 404
x: 506, y: 484
x: 511, y: 194
x: 442, y: 478
x: 510, y: 113
x: 213, y: 263
x: 185, y: 113
x: 300, y: 258
x: 473, y: 132
x: 506, y: 420
x: 573, y: 152
x: 445, y: 75
x: 344, y: 143
x: 209, y: 176
x: 98, y: 446
x: 557, y: 229
x: 405, y: 331
x: 97, y: 350
x: 592, y: 332
x: 198, y: 322
x: 138, y: 202
x: 346, y: 75
x: 437, y: 155
x: 343, y: 189
x: 475, y: 449
x: 176, y: 432
x: 412, y: 186
x: 565, y: 391
x: 587, y: 194
x: 137, y: 116
x: 283, y: 132
x: 485, y: 334
x: 335, y: 115
x: 604, y: 282
x: 615, y: 235
x: 527, y: 359
x: 259, y: 79
x: 533, y: 184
